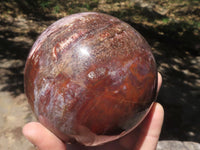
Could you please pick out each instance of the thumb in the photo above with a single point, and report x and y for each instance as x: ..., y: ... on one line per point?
x: 41, y: 137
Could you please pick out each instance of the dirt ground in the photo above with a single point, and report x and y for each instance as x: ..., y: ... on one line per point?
x: 171, y: 27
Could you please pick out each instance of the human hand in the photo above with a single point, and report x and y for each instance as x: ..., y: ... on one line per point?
x: 143, y: 137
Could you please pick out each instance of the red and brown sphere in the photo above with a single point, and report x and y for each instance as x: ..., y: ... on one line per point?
x: 90, y: 77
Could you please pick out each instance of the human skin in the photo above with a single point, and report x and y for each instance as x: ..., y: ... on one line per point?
x: 143, y: 137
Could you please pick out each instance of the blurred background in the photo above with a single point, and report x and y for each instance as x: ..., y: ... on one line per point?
x: 171, y: 27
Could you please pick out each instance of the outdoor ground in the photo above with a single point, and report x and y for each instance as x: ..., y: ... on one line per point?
x: 171, y: 27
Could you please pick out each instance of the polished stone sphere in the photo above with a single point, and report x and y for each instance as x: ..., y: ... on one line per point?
x: 90, y: 78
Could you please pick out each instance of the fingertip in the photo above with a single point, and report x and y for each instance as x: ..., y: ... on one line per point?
x: 159, y: 77
x: 29, y: 130
x: 41, y: 137
x: 159, y: 108
x: 156, y: 117
x: 159, y: 81
x: 151, y: 127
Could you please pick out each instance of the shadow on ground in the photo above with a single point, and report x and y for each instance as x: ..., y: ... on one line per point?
x: 176, y: 47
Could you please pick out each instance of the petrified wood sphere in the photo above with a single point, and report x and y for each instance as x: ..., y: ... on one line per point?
x: 90, y: 77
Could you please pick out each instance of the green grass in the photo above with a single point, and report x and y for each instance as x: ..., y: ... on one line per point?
x: 165, y: 20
